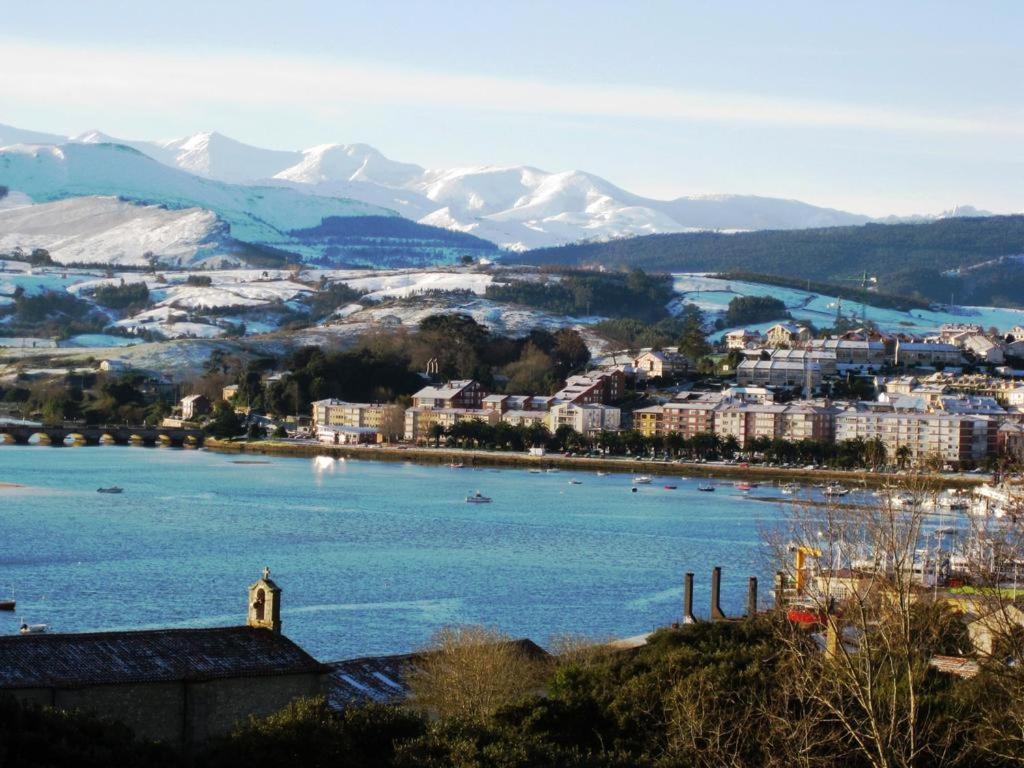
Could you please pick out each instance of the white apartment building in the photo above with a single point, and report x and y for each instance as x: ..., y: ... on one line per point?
x: 954, y: 439
x: 585, y: 418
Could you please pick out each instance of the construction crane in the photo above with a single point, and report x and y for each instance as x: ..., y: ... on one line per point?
x: 801, y: 567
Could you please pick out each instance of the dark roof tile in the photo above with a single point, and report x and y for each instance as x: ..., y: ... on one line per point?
x: 162, y: 655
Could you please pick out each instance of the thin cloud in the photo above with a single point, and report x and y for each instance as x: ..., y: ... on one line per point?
x: 162, y: 80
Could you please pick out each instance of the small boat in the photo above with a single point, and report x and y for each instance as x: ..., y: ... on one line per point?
x: 111, y: 489
x: 478, y: 498
x: 456, y: 465
x: 633, y: 489
x: 536, y: 471
x: 835, y: 490
x: 7, y: 605
x: 706, y: 488
x: 33, y: 629
x: 642, y: 480
x: 575, y: 482
x: 789, y: 488
x: 553, y: 469
x: 601, y: 473
x: 670, y: 487
x: 742, y: 486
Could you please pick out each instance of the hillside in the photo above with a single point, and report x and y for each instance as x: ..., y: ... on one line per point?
x: 926, y: 260
x: 181, y: 216
x: 256, y: 214
x: 111, y: 231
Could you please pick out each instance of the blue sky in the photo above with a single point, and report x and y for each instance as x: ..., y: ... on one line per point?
x: 872, y: 107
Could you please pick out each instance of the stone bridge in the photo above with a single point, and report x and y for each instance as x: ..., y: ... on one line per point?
x: 79, y: 434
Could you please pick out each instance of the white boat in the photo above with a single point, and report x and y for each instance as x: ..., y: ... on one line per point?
x: 642, y: 480
x: 706, y: 488
x: 601, y: 473
x: 324, y: 462
x: 553, y: 469
x: 456, y: 465
x: 536, y: 471
x: 33, y: 629
x: 478, y: 498
x: 835, y: 490
x: 789, y: 488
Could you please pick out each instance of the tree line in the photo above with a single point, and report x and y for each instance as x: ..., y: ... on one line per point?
x: 908, y: 259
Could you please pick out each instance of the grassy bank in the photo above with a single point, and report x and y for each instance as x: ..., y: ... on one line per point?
x: 482, y: 458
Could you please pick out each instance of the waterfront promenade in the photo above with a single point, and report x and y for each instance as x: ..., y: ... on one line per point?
x: 478, y: 457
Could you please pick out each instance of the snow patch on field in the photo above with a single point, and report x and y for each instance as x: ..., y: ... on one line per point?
x: 403, y: 283
x: 232, y: 295
x: 107, y: 230
x: 713, y: 295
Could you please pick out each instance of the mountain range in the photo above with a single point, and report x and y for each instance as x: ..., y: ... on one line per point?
x: 264, y: 196
x: 516, y: 207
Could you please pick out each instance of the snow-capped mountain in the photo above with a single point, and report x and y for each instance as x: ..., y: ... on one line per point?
x: 255, y: 214
x: 517, y: 207
x: 102, y: 203
x: 210, y: 154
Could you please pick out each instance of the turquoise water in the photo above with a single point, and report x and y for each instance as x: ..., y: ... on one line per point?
x: 372, y: 557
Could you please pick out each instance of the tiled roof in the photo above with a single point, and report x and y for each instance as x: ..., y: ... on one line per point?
x: 379, y: 679
x: 151, y: 656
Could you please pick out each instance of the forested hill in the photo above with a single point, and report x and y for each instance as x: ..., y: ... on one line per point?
x: 907, y: 259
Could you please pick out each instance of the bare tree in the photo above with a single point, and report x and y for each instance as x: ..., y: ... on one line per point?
x: 865, y: 574
x: 470, y: 672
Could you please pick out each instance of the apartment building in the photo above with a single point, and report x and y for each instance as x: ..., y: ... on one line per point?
x: 852, y: 351
x: 525, y: 418
x: 924, y: 353
x: 952, y: 438
x: 598, y: 387
x: 778, y: 373
x: 505, y: 403
x: 825, y: 360
x: 585, y: 418
x: 419, y: 420
x: 746, y: 422
x: 463, y: 393
x: 340, y: 413
x: 742, y: 420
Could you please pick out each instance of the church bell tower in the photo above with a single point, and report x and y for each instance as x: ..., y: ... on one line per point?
x: 265, y: 604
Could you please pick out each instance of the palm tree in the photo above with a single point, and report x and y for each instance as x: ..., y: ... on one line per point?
x: 436, y: 432
x: 903, y: 456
